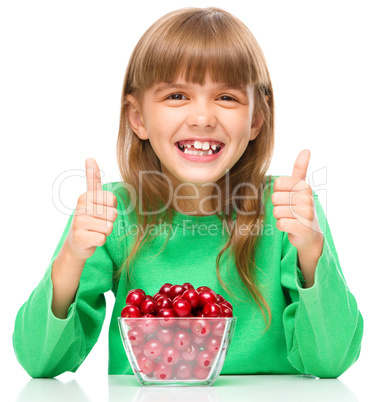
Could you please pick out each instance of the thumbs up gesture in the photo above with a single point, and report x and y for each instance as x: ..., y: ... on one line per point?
x: 94, y: 216
x: 294, y: 207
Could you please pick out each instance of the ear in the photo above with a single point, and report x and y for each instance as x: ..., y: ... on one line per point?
x: 135, y: 118
x: 256, y: 125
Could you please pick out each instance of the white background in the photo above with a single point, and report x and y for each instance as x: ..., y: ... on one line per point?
x: 61, y: 76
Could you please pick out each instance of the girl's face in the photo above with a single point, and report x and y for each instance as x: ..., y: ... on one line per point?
x: 183, y: 113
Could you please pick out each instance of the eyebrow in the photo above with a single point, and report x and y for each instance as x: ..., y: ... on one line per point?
x: 166, y: 86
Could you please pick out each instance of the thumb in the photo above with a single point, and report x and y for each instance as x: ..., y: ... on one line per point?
x: 301, y: 164
x: 93, y: 175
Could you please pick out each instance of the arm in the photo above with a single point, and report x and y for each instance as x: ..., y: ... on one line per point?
x: 308, y: 262
x: 65, y: 281
x: 323, y: 326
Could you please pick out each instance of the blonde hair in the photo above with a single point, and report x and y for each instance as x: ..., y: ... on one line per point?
x: 197, y: 41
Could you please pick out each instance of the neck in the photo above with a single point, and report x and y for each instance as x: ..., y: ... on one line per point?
x: 195, y: 200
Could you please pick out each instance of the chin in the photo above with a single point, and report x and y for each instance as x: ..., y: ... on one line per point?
x: 202, y: 178
x: 198, y: 181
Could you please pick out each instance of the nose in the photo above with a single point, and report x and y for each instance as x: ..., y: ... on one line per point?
x: 201, y: 116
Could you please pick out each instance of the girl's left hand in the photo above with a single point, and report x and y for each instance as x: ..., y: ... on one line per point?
x: 294, y: 207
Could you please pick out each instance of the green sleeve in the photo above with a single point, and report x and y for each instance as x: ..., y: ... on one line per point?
x: 323, y: 326
x: 47, y: 346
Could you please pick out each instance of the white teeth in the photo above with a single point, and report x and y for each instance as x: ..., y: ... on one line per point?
x: 198, y: 145
x: 198, y: 153
x: 202, y: 147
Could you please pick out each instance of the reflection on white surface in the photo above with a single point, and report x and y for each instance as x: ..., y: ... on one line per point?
x: 239, y: 388
x: 284, y: 388
x: 198, y: 394
x: 50, y: 389
x: 226, y: 388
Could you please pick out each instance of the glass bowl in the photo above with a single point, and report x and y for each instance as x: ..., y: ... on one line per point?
x: 177, y: 351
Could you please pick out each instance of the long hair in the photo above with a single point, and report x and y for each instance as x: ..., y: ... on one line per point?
x: 197, y: 42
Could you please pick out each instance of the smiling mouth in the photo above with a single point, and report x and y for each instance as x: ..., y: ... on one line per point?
x: 190, y: 149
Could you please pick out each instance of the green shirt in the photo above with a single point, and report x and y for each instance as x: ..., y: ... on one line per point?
x: 315, y: 331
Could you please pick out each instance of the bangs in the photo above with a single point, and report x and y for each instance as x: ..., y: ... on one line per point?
x: 192, y: 44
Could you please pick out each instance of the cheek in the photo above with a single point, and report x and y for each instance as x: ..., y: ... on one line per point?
x: 239, y: 129
x: 163, y: 122
x: 238, y: 119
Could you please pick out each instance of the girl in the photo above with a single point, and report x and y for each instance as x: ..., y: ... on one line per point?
x: 195, y: 205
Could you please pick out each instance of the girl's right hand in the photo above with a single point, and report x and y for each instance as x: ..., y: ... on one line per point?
x: 93, y: 218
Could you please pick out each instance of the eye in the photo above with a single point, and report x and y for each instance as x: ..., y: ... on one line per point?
x: 177, y: 96
x: 227, y: 98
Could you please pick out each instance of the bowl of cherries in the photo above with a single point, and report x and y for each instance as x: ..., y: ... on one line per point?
x: 178, y: 337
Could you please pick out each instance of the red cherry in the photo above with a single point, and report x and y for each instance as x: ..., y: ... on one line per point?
x: 192, y: 297
x: 182, y: 339
x: 136, y: 297
x: 188, y: 286
x: 145, y: 365
x: 149, y: 306
x: 218, y: 328
x: 148, y: 325
x: 157, y: 296
x: 227, y: 304
x: 206, y: 296
x: 190, y: 353
x: 138, y: 290
x: 220, y: 299
x: 176, y: 290
x: 170, y: 355
x: 162, y: 371
x: 166, y: 312
x: 199, y: 313
x: 181, y: 307
x: 164, y: 303
x: 165, y: 335
x: 213, y: 344
x: 204, y: 359
x: 177, y: 297
x: 226, y: 312
x: 201, y: 328
x: 165, y: 289
x: 131, y: 311
x: 148, y: 297
x: 183, y: 371
x: 153, y: 348
x: 169, y: 317
x: 212, y: 310
x: 200, y: 373
x: 136, y: 336
x: 200, y: 342
x: 201, y: 288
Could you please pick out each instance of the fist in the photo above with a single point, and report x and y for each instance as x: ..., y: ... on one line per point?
x: 294, y: 207
x: 93, y: 217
